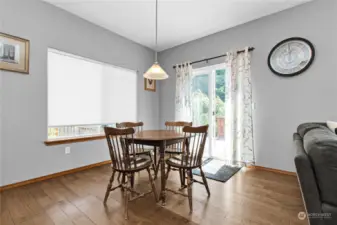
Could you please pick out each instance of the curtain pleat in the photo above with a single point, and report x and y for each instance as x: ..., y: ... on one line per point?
x: 183, y: 104
x: 238, y: 108
x: 238, y: 105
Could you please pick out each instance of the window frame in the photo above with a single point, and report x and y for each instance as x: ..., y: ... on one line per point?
x: 210, y: 71
x: 85, y: 137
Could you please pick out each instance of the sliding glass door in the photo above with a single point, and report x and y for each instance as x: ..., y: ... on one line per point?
x: 208, y: 107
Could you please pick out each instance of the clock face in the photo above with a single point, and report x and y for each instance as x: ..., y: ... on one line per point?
x: 291, y: 57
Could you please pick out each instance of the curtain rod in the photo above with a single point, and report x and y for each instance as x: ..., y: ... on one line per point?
x: 216, y: 57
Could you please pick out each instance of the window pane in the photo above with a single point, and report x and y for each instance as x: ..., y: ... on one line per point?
x: 84, y: 92
x: 73, y: 91
x: 200, y: 100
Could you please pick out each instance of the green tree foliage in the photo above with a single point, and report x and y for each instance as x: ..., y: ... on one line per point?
x: 200, y: 99
x: 200, y: 104
x: 200, y: 83
x: 220, y: 84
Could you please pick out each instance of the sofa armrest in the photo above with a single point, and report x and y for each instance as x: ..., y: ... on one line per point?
x: 307, y: 180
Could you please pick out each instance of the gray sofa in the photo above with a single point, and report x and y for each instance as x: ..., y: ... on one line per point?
x: 316, y: 166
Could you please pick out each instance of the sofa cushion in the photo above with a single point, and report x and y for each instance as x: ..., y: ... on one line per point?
x: 306, y: 178
x: 330, y: 214
x: 305, y: 127
x: 321, y: 146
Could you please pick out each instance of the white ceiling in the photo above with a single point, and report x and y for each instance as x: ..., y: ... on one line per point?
x: 180, y: 21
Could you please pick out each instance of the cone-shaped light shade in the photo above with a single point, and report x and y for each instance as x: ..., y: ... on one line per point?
x: 155, y: 73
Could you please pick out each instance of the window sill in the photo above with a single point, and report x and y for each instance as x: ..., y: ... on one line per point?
x: 62, y: 141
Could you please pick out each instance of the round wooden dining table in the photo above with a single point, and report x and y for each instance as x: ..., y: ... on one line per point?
x: 161, y: 139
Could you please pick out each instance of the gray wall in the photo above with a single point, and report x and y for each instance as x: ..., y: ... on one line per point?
x: 24, y: 97
x: 281, y: 104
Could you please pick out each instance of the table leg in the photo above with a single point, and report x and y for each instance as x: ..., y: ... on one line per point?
x: 155, y: 155
x: 162, y: 171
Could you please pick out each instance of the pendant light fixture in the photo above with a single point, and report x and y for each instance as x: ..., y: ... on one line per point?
x: 156, y: 72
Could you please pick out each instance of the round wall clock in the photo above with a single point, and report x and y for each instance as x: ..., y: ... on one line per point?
x: 291, y: 57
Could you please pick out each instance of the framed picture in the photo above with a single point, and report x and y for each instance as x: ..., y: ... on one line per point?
x: 149, y: 85
x: 14, y: 53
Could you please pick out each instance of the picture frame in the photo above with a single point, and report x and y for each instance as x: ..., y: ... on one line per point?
x: 14, y: 53
x: 149, y: 85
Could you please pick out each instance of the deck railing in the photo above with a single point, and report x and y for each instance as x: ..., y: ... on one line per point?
x: 55, y: 132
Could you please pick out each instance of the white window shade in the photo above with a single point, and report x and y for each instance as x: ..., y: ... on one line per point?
x: 83, y: 91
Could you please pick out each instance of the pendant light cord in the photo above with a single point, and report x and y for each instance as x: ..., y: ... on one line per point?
x: 156, y: 58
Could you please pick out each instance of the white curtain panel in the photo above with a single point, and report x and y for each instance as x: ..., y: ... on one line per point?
x: 183, y: 106
x: 238, y: 108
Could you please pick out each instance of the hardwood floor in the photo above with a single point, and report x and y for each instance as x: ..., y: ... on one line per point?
x: 251, y: 197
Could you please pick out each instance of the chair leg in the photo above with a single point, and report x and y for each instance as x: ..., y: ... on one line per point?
x: 168, y: 171
x: 126, y: 195
x: 119, y: 177
x: 157, y: 169
x: 189, y: 190
x: 109, y: 186
x: 155, y: 155
x: 180, y: 176
x: 123, y: 181
x: 153, y: 163
x: 152, y: 185
x: 204, y: 180
x: 183, y: 177
x: 132, y: 181
x: 191, y: 173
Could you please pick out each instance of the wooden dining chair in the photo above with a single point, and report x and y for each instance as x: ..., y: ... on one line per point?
x: 176, y: 148
x: 140, y: 149
x: 126, y: 161
x: 178, y: 127
x: 191, y: 158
